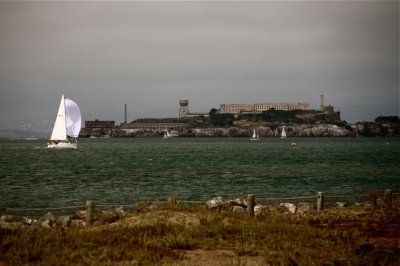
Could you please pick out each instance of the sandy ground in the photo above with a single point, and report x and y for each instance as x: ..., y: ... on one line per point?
x: 199, y: 257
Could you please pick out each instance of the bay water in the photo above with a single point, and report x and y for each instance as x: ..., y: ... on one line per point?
x: 125, y: 171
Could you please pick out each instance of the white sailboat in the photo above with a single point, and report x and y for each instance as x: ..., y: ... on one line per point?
x: 67, y: 125
x: 255, y: 136
x: 283, y: 133
x: 167, y: 135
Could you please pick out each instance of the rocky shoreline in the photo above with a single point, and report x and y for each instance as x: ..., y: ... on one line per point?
x: 263, y: 130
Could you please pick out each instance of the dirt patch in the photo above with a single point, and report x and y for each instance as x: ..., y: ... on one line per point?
x: 200, y: 257
x: 157, y: 217
x: 232, y: 221
x: 186, y: 219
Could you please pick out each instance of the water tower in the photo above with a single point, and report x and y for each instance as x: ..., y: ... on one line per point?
x: 183, y: 107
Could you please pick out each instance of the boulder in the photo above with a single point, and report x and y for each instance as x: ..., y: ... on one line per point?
x: 290, y: 207
x: 63, y: 221
x: 120, y: 212
x: 241, y: 202
x: 29, y: 221
x: 8, y: 218
x: 46, y: 224
x: 215, y: 202
x: 238, y: 209
x: 108, y: 217
x: 258, y: 210
x: 11, y: 225
x: 81, y: 215
x: 304, y: 207
x: 47, y: 220
x: 77, y: 223
x: 229, y: 204
x: 342, y: 204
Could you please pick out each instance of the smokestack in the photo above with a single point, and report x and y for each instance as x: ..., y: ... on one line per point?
x: 126, y: 115
x: 322, y: 102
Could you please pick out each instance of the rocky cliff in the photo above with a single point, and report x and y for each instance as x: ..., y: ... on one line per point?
x: 244, y: 128
x: 303, y: 130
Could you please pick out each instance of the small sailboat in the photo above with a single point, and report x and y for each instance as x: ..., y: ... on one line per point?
x: 167, y: 135
x: 276, y: 132
x: 283, y: 133
x: 255, y: 135
x: 66, y: 126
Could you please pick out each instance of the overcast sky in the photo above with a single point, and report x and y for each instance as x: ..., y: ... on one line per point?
x: 151, y: 54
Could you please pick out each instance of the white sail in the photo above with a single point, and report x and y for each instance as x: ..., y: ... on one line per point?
x: 73, y: 118
x: 254, y: 134
x: 59, y: 130
x: 283, y: 135
x: 167, y: 135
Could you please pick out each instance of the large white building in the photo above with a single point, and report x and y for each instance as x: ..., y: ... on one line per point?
x: 258, y: 108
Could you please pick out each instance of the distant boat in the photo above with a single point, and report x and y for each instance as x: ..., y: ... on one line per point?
x: 66, y: 126
x: 167, y: 135
x: 283, y: 133
x: 255, y: 136
x: 30, y: 138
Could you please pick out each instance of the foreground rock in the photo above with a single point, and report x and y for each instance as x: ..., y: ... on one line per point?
x: 112, y: 217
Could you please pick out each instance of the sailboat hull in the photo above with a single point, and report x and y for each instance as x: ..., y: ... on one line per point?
x: 62, y: 145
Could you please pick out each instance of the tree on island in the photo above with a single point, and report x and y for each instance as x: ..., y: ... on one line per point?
x: 221, y: 119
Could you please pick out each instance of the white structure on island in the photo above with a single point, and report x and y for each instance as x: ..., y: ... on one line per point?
x: 258, y: 108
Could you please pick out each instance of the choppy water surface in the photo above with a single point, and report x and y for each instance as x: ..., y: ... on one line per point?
x: 123, y: 171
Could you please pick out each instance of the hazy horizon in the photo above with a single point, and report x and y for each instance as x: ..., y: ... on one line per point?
x: 150, y: 54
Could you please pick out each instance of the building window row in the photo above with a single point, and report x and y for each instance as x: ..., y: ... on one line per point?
x: 258, y: 108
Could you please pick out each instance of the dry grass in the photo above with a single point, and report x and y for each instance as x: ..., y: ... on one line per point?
x: 185, y: 235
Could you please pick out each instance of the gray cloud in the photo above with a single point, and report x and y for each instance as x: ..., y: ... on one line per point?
x: 150, y: 54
